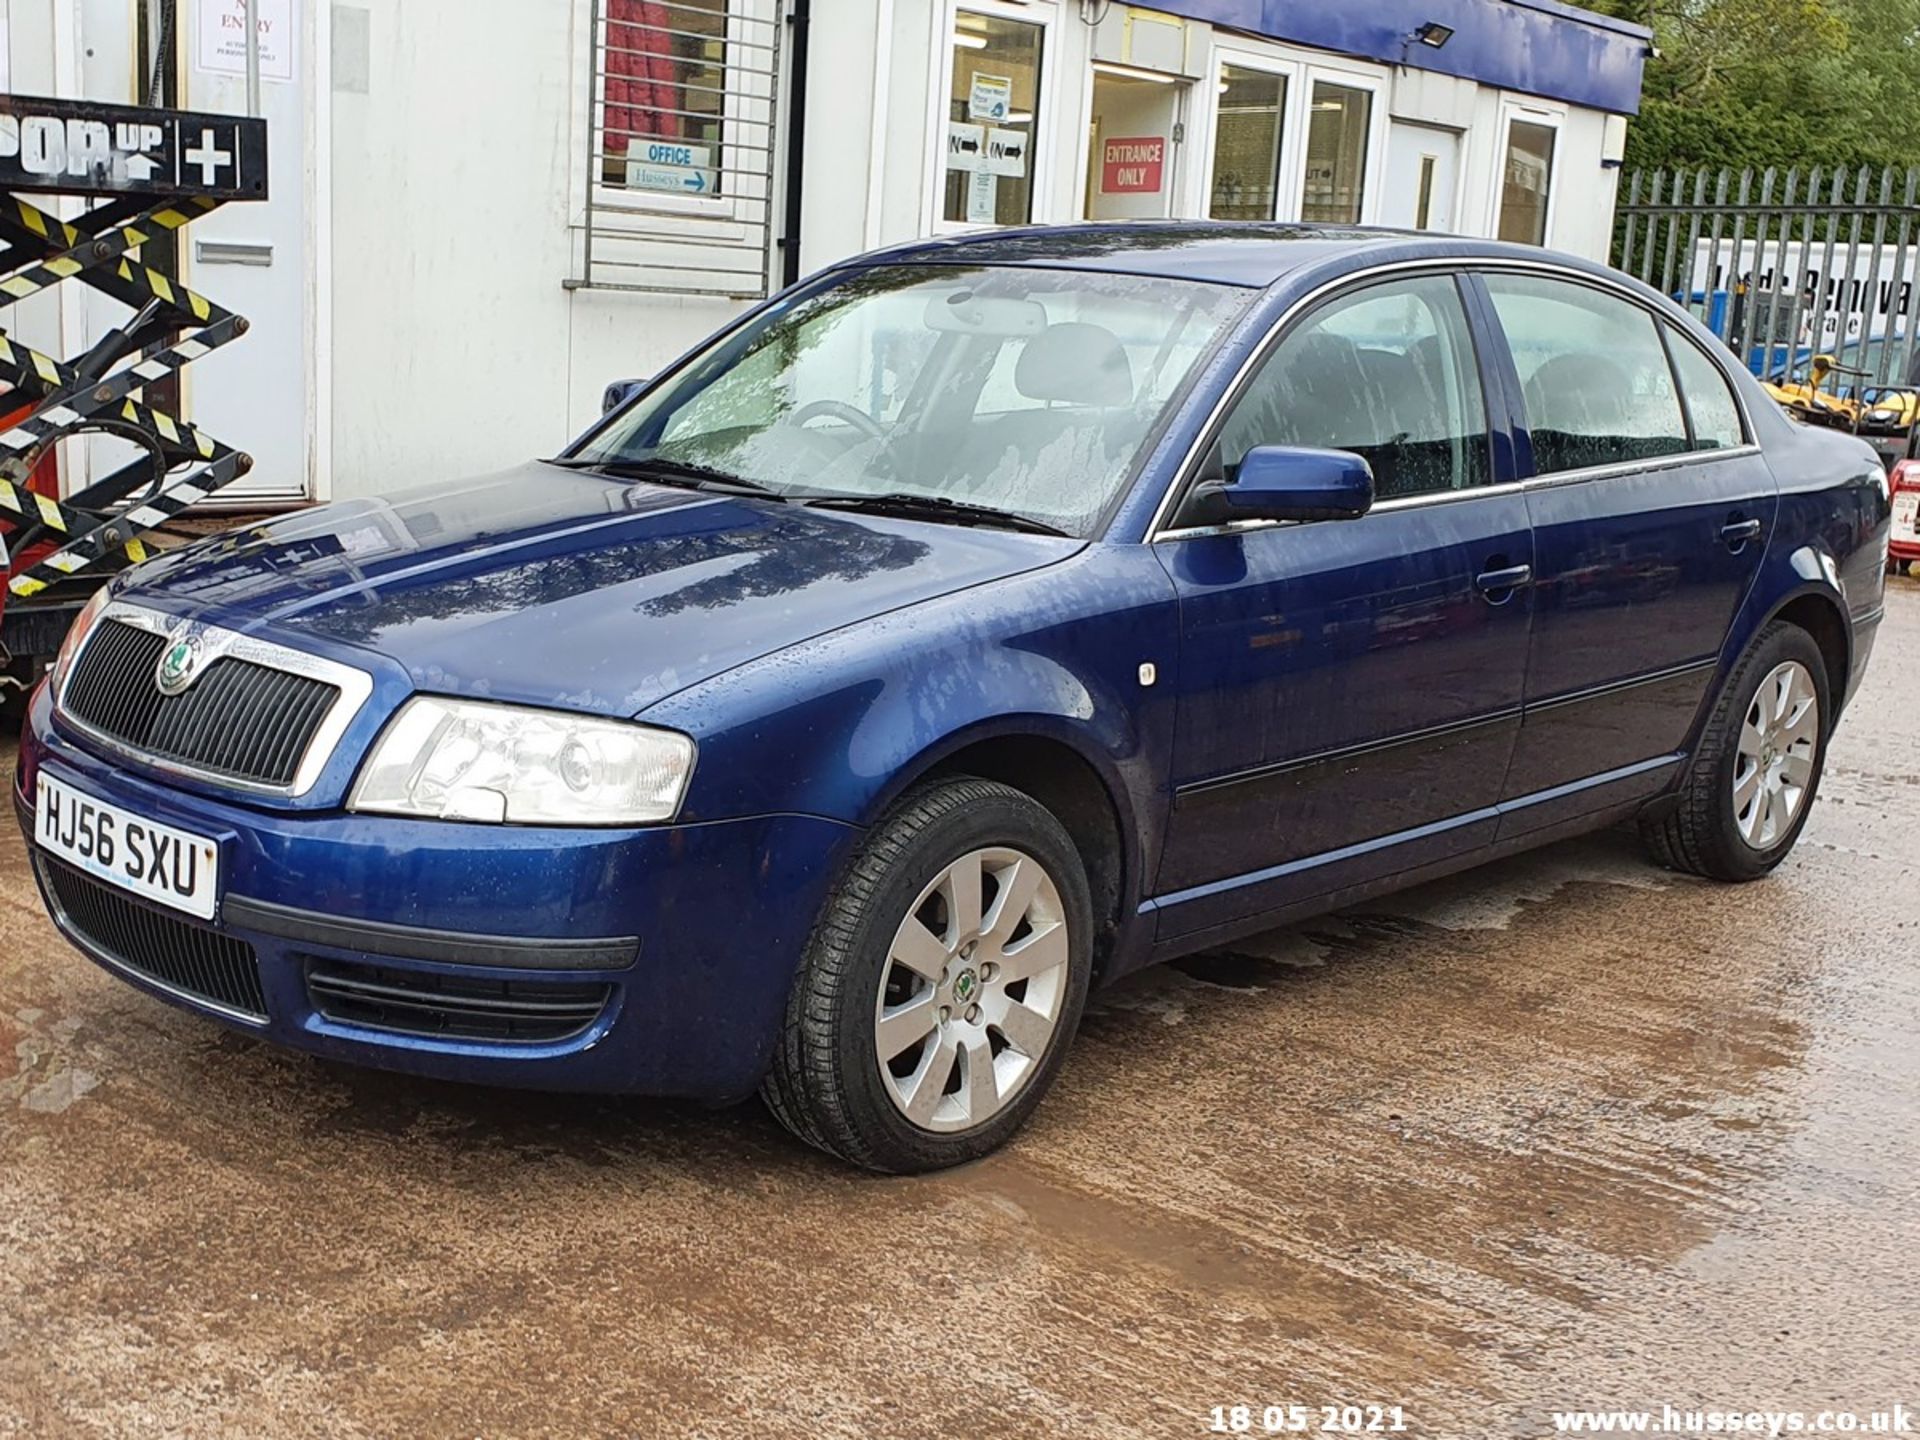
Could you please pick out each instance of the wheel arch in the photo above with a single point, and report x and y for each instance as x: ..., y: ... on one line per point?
x: 1809, y: 598
x: 1821, y: 616
x: 1045, y: 758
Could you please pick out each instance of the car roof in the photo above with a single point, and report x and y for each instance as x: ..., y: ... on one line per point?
x: 1226, y: 252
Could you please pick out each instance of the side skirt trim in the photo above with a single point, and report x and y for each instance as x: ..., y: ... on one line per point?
x: 1402, y: 837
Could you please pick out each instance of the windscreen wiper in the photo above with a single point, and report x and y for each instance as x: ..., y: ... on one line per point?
x: 932, y: 507
x: 688, y: 474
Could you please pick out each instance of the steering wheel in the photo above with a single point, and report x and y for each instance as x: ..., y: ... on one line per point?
x: 839, y: 410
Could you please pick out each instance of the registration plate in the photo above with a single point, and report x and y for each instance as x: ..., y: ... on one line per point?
x: 156, y: 862
x: 1906, y: 515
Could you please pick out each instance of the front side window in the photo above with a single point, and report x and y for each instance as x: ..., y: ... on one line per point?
x: 1710, y: 403
x: 1387, y: 373
x: 993, y: 109
x: 1246, y: 144
x: 1526, y: 182
x: 1024, y: 390
x: 1337, y: 154
x: 1593, y: 374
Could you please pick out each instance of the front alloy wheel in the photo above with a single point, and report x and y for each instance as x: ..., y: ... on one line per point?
x: 972, y: 990
x: 942, y: 985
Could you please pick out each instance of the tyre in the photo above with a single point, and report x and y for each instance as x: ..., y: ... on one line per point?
x: 942, y: 985
x: 1757, y: 770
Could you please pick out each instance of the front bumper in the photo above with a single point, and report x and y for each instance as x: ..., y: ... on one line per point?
x: 694, y: 932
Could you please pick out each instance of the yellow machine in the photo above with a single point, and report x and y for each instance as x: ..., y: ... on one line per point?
x: 1821, y: 399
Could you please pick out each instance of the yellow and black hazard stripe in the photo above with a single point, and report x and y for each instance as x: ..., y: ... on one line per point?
x: 23, y: 507
x: 70, y: 401
x: 66, y: 250
x: 90, y: 541
x: 67, y: 398
x: 100, y: 249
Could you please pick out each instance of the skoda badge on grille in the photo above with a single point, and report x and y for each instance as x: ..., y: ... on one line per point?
x: 179, y: 663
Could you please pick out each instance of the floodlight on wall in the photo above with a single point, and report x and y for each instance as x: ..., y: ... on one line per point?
x: 1434, y: 33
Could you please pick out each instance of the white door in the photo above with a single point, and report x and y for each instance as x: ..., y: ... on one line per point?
x: 1423, y: 178
x: 256, y: 393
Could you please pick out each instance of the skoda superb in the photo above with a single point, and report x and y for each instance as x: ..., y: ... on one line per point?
x: 968, y: 626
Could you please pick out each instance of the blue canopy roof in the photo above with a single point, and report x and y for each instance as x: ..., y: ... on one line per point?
x: 1540, y: 47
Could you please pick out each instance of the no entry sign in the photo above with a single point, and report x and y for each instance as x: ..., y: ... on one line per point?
x: 1132, y: 165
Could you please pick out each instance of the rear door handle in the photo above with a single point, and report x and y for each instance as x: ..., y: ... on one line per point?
x: 1499, y: 585
x: 1738, y: 534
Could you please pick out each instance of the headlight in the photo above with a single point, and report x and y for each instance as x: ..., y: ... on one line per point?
x: 77, y: 633
x: 475, y: 760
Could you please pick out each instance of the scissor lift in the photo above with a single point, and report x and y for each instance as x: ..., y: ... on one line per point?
x: 149, y: 172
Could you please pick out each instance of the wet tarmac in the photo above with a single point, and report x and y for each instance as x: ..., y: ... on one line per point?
x: 1572, y: 1133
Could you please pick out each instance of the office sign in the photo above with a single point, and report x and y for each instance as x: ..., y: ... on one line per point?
x: 672, y: 165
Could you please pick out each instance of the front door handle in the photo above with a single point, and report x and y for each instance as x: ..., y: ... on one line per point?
x: 1739, y: 533
x: 1498, y: 585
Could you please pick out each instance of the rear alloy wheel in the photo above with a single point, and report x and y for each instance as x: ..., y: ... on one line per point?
x: 942, y: 986
x: 1774, y: 759
x: 1756, y: 772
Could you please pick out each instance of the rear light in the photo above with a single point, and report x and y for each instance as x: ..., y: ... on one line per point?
x: 1906, y: 475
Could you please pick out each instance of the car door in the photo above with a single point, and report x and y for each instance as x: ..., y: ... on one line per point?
x: 1650, y: 513
x: 1349, y: 691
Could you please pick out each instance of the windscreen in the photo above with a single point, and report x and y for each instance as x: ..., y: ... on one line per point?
x: 1025, y: 390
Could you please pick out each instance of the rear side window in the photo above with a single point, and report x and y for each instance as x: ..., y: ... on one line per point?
x: 1710, y: 402
x: 1387, y: 372
x: 1593, y: 374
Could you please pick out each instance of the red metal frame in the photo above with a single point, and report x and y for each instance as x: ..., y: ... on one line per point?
x: 1906, y: 480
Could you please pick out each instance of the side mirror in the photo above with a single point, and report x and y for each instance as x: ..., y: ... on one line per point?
x: 618, y: 393
x: 1286, y: 482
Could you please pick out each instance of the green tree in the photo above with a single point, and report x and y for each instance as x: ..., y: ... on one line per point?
x: 1776, y: 82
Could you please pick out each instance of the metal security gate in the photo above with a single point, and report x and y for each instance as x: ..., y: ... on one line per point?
x: 1787, y: 264
x: 682, y: 144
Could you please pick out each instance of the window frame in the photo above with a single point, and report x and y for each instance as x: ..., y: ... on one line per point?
x: 1160, y: 526
x: 1293, y: 74
x: 749, y: 108
x: 1301, y: 70
x: 1491, y: 346
x: 1044, y: 14
x: 1547, y: 117
x: 1671, y: 336
x: 1662, y: 321
x: 1373, y: 173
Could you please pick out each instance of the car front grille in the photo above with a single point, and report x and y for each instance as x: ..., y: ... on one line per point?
x: 197, y: 962
x: 239, y: 721
x: 411, y: 1002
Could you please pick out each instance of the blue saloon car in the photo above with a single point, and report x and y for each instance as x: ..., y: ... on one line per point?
x: 970, y: 625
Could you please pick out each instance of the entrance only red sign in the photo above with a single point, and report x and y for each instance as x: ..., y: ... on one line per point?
x: 1132, y: 165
